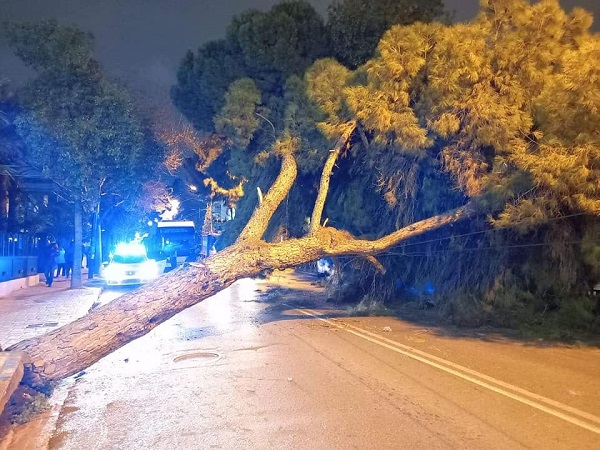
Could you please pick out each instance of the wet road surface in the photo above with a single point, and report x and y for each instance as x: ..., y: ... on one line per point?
x: 271, y: 365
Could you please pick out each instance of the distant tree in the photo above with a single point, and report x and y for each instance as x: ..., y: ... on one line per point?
x: 79, y: 126
x: 355, y: 26
x: 203, y: 79
x: 267, y: 47
x: 285, y: 40
x: 129, y: 199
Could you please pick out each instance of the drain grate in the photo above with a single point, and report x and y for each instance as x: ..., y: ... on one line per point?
x: 42, y: 325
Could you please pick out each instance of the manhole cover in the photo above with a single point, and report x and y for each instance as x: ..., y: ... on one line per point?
x: 206, y: 356
x: 41, y: 325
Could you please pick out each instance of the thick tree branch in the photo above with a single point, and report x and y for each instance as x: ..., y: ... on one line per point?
x: 368, y: 247
x: 258, y: 223
x: 315, y: 222
x: 333, y: 242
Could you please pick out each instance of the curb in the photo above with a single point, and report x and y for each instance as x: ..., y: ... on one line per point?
x: 11, y: 374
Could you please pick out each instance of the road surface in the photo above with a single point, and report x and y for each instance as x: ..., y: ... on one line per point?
x: 271, y: 365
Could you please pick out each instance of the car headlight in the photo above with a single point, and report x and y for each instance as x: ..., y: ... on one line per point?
x: 113, y: 272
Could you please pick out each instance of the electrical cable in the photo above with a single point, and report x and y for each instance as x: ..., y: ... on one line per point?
x: 483, y: 248
x: 482, y: 231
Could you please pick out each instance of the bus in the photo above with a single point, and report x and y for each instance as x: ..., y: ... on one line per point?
x: 173, y: 240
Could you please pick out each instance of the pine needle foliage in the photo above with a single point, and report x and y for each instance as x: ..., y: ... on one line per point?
x: 508, y: 106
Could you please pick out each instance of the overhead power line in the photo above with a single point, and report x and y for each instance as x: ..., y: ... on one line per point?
x: 482, y: 231
x: 471, y: 249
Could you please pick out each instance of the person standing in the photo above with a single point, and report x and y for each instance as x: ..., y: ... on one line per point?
x: 69, y: 258
x: 60, y: 262
x: 51, y: 254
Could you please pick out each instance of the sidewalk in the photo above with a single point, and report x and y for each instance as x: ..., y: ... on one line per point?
x: 33, y: 311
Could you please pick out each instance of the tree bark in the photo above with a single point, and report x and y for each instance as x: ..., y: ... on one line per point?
x: 259, y: 222
x: 77, y: 256
x: 315, y: 222
x: 74, y: 347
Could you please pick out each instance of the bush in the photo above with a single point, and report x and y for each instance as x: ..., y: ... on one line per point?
x: 576, y: 314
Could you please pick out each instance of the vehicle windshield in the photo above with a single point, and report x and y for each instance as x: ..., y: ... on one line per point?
x: 129, y: 259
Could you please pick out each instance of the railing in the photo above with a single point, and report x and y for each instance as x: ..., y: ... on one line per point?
x: 18, y: 255
x: 18, y: 244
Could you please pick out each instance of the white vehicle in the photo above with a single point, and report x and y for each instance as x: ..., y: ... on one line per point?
x: 174, y: 241
x: 324, y: 267
x: 129, y: 266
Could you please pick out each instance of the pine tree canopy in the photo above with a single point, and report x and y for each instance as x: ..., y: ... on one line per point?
x: 510, y: 103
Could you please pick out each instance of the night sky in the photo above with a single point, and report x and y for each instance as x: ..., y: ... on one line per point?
x: 142, y: 41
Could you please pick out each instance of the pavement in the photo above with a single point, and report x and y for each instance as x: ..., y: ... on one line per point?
x: 33, y: 311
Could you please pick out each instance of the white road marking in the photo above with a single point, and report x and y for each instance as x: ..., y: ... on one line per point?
x: 554, y: 408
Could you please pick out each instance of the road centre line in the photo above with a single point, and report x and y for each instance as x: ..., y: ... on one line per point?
x: 554, y: 403
x: 469, y: 375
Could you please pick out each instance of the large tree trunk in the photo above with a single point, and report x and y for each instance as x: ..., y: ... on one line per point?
x: 72, y: 348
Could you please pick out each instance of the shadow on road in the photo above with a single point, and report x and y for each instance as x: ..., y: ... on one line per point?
x: 286, y: 292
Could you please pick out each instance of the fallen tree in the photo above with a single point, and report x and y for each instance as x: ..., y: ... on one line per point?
x: 477, y: 113
x: 72, y: 348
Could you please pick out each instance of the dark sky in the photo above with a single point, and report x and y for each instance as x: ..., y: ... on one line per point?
x: 142, y: 41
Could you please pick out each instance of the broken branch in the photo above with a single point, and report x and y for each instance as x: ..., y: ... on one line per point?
x: 315, y: 222
x: 258, y: 223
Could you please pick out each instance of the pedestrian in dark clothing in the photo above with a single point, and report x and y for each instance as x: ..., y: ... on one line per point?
x: 41, y: 255
x: 51, y: 254
x: 69, y: 258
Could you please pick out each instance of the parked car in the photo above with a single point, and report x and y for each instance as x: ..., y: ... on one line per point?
x: 324, y: 267
x: 129, y: 266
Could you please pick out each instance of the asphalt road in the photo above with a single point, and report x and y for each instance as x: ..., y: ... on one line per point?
x: 271, y: 365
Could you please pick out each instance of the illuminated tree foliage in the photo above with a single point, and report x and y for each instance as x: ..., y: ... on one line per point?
x: 509, y: 105
x: 502, y: 110
x: 510, y: 101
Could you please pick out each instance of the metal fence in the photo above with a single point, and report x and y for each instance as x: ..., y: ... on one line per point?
x: 18, y: 244
x: 18, y: 256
